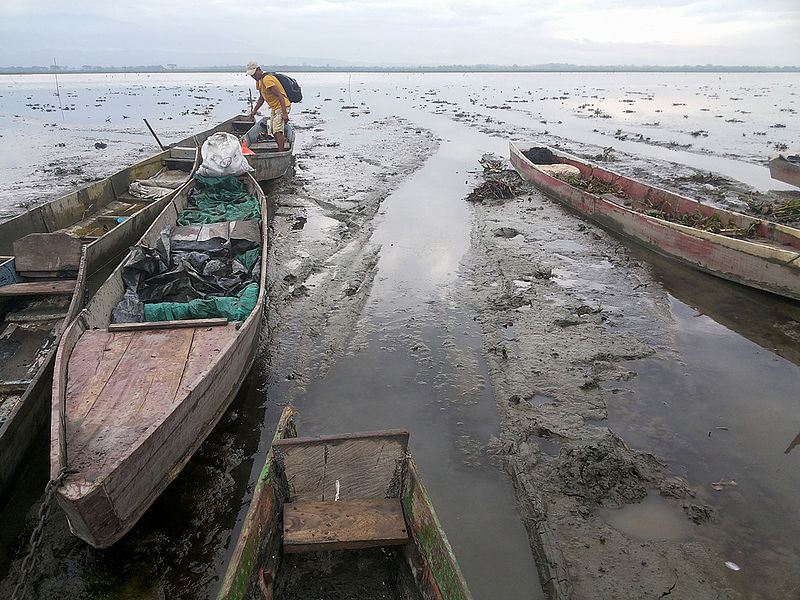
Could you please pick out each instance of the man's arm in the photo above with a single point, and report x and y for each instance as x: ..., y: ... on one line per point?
x: 274, y: 90
x: 257, y: 106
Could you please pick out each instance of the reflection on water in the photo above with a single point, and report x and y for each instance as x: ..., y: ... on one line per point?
x: 771, y: 321
x: 724, y: 408
x: 729, y: 123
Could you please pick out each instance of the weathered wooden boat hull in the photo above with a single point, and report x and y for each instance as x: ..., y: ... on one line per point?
x: 433, y: 564
x: 26, y: 426
x: 771, y: 264
x: 784, y: 170
x: 102, y: 510
x: 267, y: 161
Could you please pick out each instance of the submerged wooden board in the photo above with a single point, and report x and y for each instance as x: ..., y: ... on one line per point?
x: 343, y: 525
x: 365, y: 465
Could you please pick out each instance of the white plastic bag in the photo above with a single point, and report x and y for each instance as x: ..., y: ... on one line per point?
x: 222, y: 155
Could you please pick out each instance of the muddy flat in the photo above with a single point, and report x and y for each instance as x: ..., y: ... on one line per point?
x: 591, y: 420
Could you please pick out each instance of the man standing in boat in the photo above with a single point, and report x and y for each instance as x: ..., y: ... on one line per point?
x: 270, y: 91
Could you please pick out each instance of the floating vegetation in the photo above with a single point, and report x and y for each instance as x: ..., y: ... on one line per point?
x: 697, y: 220
x: 700, y: 177
x: 499, y: 183
x: 492, y: 188
x: 593, y: 185
x: 711, y: 223
x: 606, y: 156
x: 787, y: 211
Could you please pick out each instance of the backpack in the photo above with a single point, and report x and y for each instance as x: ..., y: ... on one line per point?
x: 290, y: 86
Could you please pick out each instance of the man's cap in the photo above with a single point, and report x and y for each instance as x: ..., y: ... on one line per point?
x: 251, y: 67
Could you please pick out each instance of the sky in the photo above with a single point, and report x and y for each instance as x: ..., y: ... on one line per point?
x: 400, y: 33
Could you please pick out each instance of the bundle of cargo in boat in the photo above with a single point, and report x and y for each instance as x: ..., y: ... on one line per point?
x: 593, y: 185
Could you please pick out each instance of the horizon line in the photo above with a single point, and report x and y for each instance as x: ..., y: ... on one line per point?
x: 484, y: 67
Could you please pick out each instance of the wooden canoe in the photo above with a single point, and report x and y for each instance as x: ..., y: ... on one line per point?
x: 342, y: 500
x: 266, y: 160
x: 49, y: 253
x: 783, y: 169
x: 131, y: 404
x: 770, y: 260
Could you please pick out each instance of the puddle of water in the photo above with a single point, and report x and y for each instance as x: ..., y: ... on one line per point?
x: 549, y: 447
x: 654, y: 518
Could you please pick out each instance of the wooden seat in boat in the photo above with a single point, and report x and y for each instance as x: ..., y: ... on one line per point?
x: 62, y: 287
x: 343, y: 491
x: 343, y: 525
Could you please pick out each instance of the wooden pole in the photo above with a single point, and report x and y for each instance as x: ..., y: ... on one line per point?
x: 154, y: 134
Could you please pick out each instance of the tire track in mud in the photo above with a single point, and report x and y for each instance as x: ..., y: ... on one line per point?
x: 322, y: 262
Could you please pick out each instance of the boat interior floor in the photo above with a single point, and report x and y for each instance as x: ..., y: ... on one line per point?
x: 370, y: 573
x: 26, y: 336
x: 97, y: 224
x: 268, y: 146
x: 120, y: 385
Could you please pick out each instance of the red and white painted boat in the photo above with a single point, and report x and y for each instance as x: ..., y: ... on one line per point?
x: 770, y: 260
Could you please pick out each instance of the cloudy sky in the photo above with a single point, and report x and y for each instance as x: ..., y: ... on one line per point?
x: 400, y: 32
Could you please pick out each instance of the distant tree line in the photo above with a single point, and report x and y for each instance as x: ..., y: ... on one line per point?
x: 550, y: 67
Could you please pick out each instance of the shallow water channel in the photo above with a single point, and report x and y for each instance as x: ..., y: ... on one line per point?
x: 418, y: 365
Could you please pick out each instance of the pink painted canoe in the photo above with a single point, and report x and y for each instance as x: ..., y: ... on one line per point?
x: 132, y: 402
x: 768, y: 261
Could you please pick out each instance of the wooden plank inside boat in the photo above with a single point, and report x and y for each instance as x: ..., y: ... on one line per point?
x: 122, y: 382
x: 39, y: 288
x: 344, y: 525
x: 46, y: 252
x: 215, y: 322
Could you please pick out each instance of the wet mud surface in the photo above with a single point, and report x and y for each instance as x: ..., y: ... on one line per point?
x: 620, y: 380
x: 559, y: 353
